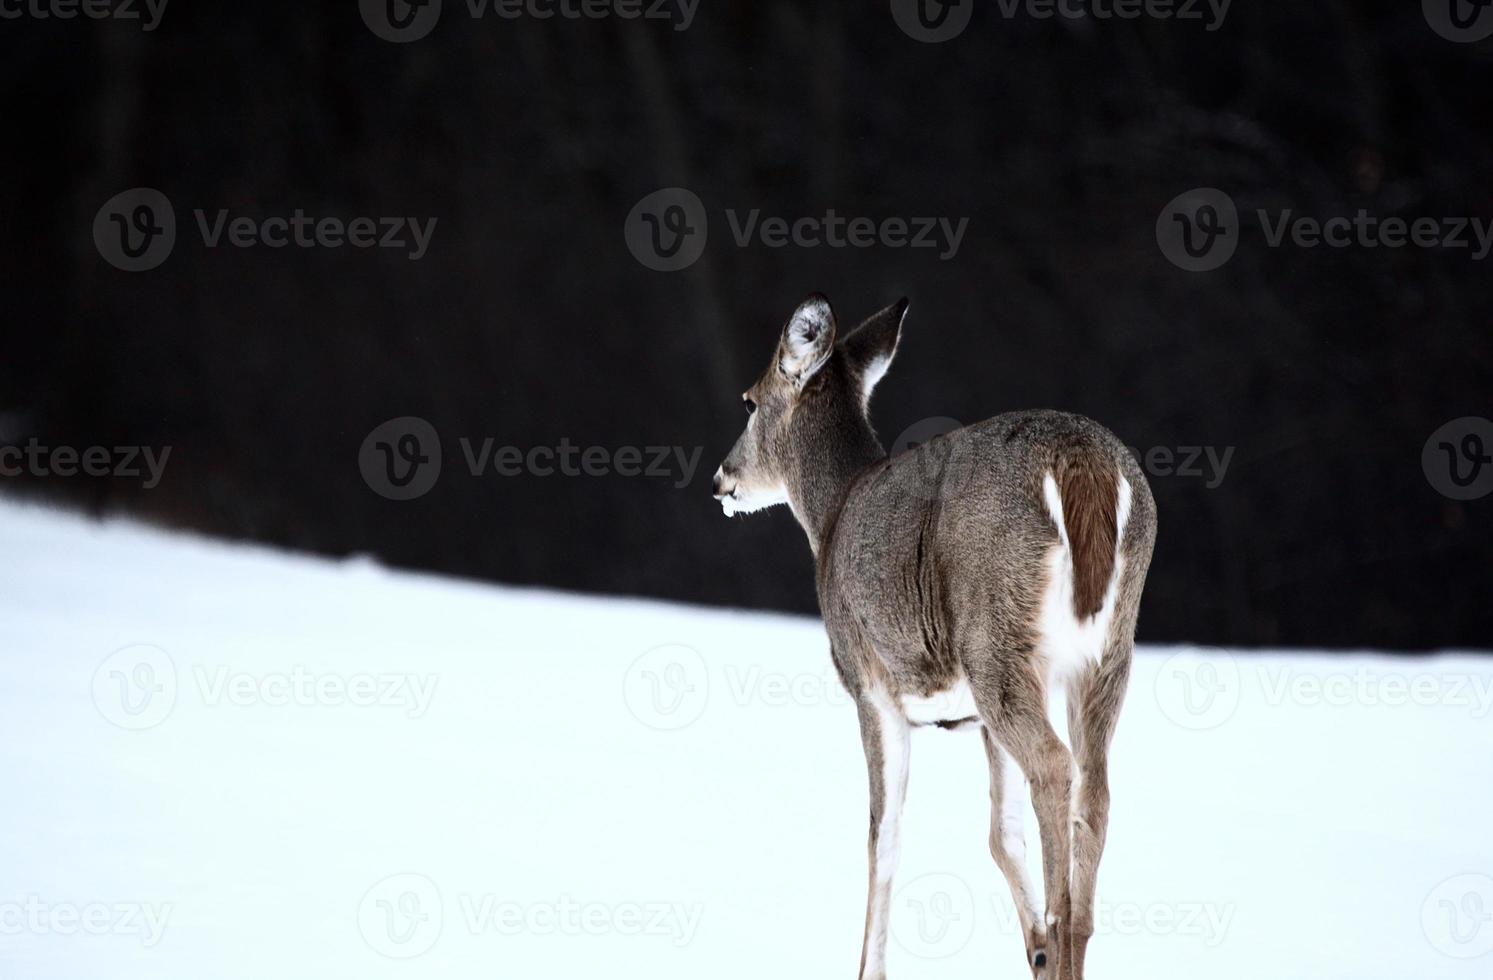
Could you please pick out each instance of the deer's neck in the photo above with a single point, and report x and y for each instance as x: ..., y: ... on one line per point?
x: 820, y: 482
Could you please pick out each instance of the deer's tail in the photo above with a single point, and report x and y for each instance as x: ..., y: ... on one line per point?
x: 1092, y: 497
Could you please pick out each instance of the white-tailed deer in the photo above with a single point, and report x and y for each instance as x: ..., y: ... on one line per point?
x: 999, y: 562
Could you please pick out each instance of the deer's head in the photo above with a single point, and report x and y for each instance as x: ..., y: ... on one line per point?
x: 810, y: 406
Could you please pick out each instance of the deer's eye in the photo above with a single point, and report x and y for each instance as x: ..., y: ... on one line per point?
x: 751, y: 406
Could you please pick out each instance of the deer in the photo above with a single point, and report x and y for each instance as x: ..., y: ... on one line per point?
x: 962, y: 585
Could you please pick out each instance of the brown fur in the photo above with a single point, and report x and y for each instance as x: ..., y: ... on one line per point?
x: 1088, y: 484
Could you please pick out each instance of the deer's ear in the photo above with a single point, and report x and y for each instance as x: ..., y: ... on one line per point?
x: 808, y: 339
x: 872, y: 345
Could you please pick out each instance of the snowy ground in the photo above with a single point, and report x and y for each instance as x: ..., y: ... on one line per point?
x: 219, y: 761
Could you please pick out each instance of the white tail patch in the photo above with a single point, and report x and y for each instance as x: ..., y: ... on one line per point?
x: 1068, y: 643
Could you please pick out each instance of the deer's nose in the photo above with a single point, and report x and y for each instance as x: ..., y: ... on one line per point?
x: 721, y: 485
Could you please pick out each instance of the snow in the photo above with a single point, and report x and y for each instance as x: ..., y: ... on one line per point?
x: 345, y: 771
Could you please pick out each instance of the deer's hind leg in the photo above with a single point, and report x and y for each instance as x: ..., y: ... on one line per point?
x: 1012, y: 699
x: 1094, y: 700
x: 1008, y: 847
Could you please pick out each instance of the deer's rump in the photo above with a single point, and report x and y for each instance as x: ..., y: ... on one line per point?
x: 962, y: 544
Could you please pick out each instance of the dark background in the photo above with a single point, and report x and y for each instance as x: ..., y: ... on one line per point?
x: 529, y: 320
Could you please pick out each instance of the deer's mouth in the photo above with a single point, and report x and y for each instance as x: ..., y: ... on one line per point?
x: 738, y: 499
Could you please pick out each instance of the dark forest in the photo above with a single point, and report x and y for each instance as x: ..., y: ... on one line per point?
x: 1288, y: 404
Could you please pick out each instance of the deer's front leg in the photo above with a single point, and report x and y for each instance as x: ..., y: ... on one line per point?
x: 886, y: 734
